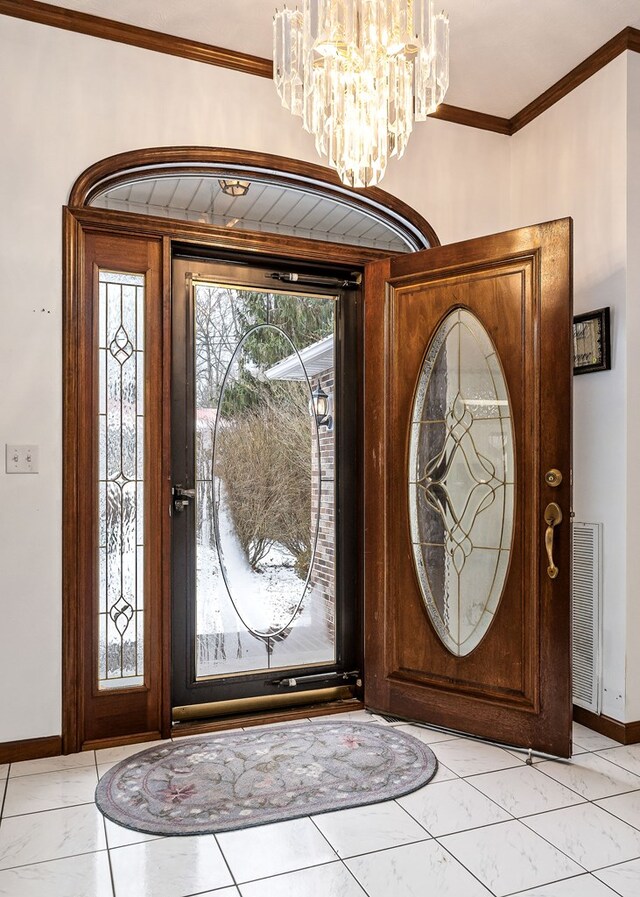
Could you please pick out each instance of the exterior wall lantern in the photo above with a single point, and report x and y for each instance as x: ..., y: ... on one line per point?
x: 320, y: 408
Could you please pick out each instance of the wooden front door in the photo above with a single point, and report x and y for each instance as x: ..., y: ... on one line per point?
x: 468, y: 486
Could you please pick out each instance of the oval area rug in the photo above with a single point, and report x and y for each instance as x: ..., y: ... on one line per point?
x: 238, y: 779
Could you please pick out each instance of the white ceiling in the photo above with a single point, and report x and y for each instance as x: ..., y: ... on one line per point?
x: 504, y: 53
x: 266, y: 207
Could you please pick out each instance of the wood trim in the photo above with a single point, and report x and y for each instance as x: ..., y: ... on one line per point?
x: 250, y: 242
x: 97, y: 744
x: 627, y: 39
x: 71, y: 658
x: 30, y: 749
x: 471, y: 119
x: 633, y: 39
x: 376, y: 363
x: 159, y: 42
x: 124, y: 167
x: 145, y: 38
x: 625, y: 733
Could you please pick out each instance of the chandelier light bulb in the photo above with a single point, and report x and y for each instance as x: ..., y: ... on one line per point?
x: 358, y: 73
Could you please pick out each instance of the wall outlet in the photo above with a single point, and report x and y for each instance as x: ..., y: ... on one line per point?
x: 21, y: 459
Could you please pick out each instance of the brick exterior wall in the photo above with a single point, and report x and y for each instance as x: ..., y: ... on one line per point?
x: 323, y: 573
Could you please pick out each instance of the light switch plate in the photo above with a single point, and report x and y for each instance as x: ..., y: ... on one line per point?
x: 21, y: 459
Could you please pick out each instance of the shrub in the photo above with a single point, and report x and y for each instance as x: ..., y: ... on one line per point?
x: 263, y: 457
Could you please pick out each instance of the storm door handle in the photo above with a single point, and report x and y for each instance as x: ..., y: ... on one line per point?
x: 182, y: 497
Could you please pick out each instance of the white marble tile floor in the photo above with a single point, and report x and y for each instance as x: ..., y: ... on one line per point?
x: 487, y: 826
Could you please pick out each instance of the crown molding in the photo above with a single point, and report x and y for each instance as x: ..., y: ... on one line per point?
x: 627, y: 39
x: 107, y: 29
x: 159, y: 42
x: 472, y: 119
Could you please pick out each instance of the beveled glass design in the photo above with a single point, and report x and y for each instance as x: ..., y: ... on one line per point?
x: 461, y: 481
x: 265, y: 594
x: 121, y: 480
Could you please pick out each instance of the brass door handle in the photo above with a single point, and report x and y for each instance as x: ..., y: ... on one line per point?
x: 552, y: 517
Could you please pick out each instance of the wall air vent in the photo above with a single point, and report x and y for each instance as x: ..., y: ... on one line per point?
x: 586, y: 614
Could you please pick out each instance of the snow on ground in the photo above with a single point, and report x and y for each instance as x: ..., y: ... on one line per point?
x: 266, y: 600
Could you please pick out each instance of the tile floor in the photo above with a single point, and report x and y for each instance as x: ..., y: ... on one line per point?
x: 487, y: 825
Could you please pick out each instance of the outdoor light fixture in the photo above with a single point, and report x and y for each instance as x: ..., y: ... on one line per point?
x: 320, y: 408
x: 234, y: 187
x: 359, y: 72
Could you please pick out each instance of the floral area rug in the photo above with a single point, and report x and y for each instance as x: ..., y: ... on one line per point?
x: 233, y: 780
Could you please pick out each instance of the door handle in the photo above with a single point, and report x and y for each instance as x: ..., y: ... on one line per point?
x: 552, y: 517
x: 182, y: 497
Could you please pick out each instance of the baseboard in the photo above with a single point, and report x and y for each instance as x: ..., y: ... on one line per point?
x: 625, y: 733
x: 30, y: 749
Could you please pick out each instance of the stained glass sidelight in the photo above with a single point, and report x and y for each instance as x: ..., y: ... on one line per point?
x: 121, y: 480
x: 461, y: 481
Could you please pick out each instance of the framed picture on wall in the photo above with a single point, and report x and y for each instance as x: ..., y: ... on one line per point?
x: 591, y: 342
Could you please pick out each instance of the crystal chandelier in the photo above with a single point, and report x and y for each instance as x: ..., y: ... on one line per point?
x: 358, y: 72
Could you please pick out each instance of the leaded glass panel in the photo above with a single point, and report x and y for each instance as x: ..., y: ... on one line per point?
x: 121, y: 480
x: 461, y: 481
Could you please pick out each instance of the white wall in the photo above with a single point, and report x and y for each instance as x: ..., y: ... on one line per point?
x: 67, y: 101
x: 633, y: 387
x: 572, y: 160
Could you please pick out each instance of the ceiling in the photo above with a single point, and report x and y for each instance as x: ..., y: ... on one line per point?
x: 266, y: 207
x: 504, y: 53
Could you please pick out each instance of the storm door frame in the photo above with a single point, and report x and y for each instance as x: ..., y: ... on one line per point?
x: 195, y: 697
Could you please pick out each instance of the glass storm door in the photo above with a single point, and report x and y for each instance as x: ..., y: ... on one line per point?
x: 257, y: 421
x: 468, y: 486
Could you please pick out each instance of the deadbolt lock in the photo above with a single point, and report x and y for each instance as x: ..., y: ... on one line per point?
x: 553, y: 477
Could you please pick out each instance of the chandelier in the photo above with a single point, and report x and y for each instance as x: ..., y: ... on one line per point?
x: 359, y: 72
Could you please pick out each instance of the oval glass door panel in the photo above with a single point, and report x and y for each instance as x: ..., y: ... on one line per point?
x: 264, y: 476
x: 461, y: 481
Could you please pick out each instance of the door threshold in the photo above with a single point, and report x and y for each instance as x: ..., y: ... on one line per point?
x: 259, y: 703
x: 266, y: 717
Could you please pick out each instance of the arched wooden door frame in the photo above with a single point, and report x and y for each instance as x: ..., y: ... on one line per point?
x: 82, y: 225
x: 220, y: 162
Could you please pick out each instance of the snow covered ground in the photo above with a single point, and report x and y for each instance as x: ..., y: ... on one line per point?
x: 265, y: 601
